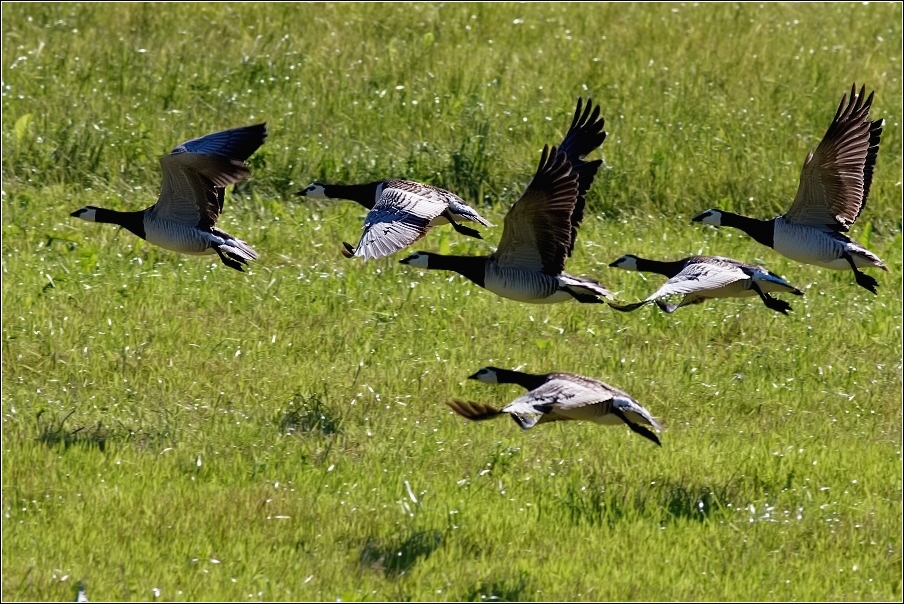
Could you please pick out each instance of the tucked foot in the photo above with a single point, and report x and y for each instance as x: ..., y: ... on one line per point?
x: 626, y: 307
x: 237, y: 265
x: 645, y: 432
x: 466, y: 230
x: 776, y: 304
x: 865, y: 281
x: 773, y: 303
x: 586, y: 298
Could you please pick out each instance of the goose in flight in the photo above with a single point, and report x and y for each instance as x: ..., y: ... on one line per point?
x: 560, y: 397
x: 834, y: 185
x: 401, y: 212
x: 700, y: 278
x: 541, y: 227
x: 195, y: 175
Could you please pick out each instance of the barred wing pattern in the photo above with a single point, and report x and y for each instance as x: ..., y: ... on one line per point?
x: 403, y: 214
x: 195, y: 172
x: 536, y: 234
x: 836, y: 177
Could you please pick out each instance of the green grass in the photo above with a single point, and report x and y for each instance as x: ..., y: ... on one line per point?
x: 171, y: 424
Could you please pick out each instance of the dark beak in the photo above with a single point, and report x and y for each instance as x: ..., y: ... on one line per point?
x: 699, y: 217
x: 473, y: 376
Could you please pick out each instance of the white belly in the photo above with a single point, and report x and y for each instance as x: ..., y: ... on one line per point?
x: 738, y: 289
x: 524, y: 286
x: 810, y: 245
x: 515, y: 293
x: 178, y: 237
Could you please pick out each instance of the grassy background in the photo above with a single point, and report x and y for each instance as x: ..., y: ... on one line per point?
x: 171, y: 425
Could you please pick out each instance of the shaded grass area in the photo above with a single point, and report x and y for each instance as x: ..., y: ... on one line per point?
x: 173, y: 429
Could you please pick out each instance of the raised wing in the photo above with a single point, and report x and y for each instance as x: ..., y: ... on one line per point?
x: 536, y: 235
x: 195, y: 172
x: 836, y: 177
x: 236, y: 143
x: 400, y: 217
x: 585, y: 135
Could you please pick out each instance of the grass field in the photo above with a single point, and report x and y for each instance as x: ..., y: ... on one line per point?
x: 175, y: 430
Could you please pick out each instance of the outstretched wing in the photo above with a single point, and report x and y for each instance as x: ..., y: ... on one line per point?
x: 195, y: 172
x: 585, y: 135
x: 400, y: 217
x: 697, y: 277
x: 536, y: 235
x: 557, y: 396
x: 835, y: 179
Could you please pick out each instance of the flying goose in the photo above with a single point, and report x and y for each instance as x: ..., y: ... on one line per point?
x: 195, y: 175
x: 401, y: 212
x: 541, y: 227
x: 834, y: 185
x: 559, y: 397
x: 700, y: 278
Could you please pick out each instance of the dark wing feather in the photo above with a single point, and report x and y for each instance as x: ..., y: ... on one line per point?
x: 400, y: 217
x: 237, y: 143
x: 836, y: 177
x: 195, y: 173
x: 585, y: 135
x: 537, y: 231
x: 875, y: 134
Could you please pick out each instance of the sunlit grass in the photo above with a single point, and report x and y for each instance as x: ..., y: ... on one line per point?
x: 172, y: 425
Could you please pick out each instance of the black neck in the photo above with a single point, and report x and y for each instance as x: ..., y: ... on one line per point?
x: 133, y: 221
x: 472, y: 267
x: 761, y: 230
x: 669, y: 269
x: 528, y: 381
x: 364, y: 194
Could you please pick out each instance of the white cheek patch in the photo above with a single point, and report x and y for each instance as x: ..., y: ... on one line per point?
x: 712, y: 218
x: 625, y: 262
x: 315, y: 192
x: 89, y: 214
x: 488, y: 377
x: 419, y: 261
